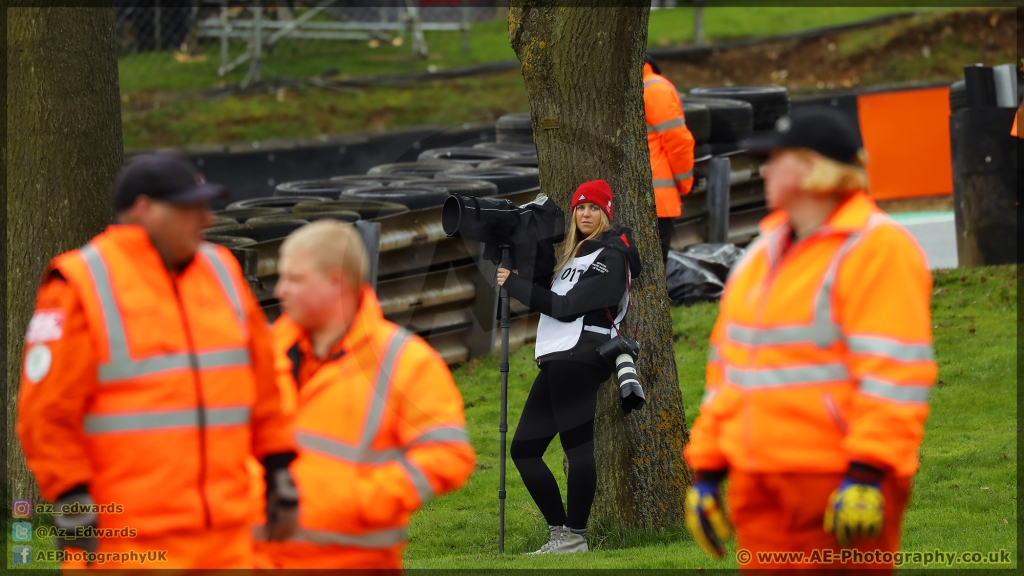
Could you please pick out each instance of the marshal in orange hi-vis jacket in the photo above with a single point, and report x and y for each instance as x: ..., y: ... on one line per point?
x: 152, y: 392
x: 381, y: 430
x: 670, y: 143
x: 821, y: 357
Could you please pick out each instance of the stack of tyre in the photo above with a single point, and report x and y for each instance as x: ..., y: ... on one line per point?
x: 721, y: 117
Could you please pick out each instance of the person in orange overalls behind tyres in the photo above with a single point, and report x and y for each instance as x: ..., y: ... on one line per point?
x: 378, y: 419
x: 820, y: 366
x: 671, y: 147
x: 148, y: 383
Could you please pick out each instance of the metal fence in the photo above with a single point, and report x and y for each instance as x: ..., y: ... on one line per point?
x: 271, y: 37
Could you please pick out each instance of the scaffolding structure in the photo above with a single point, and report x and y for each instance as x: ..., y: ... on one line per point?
x: 261, y: 34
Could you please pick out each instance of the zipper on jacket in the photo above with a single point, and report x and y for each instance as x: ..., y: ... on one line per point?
x: 200, y: 406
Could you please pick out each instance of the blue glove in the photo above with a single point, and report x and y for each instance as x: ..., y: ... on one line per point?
x: 705, y: 517
x: 857, y: 508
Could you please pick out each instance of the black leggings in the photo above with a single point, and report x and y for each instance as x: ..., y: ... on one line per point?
x: 563, y: 401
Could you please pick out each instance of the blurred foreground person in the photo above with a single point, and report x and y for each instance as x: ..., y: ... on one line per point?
x: 820, y: 366
x: 148, y: 384
x: 378, y: 419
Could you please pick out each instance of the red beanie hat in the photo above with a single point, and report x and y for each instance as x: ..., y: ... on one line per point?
x: 596, y: 192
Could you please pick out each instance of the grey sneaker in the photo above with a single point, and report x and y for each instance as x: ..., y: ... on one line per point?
x: 570, y: 543
x: 557, y: 533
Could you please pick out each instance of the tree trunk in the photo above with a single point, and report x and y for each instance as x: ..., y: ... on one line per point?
x: 62, y: 151
x: 583, y: 73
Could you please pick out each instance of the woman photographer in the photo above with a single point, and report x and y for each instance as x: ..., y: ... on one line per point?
x: 588, y: 294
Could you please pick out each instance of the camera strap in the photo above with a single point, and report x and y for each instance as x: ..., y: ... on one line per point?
x: 629, y: 303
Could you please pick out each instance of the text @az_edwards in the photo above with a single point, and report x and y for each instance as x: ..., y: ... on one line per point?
x: 85, y: 532
x: 850, y: 556
x: 76, y: 508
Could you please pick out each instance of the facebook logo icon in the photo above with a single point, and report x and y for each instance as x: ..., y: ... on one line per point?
x: 21, y: 555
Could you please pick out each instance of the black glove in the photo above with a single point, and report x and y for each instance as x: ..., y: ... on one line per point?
x: 76, y: 520
x: 282, y: 497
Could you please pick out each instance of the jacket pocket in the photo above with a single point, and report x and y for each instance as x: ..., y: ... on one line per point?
x: 833, y: 411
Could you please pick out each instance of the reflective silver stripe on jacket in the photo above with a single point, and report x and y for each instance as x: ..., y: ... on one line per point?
x: 442, y: 434
x: 121, y: 366
x: 889, y: 348
x: 713, y: 353
x: 684, y: 176
x: 891, y: 391
x: 221, y: 270
x: 658, y: 80
x: 163, y: 420
x: 664, y: 183
x: 666, y: 125
x: 774, y: 377
x: 381, y: 539
x: 709, y: 395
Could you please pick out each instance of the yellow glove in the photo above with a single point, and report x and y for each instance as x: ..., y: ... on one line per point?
x: 705, y: 517
x: 857, y: 508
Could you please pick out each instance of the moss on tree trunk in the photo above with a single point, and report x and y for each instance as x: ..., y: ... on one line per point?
x: 583, y: 72
x: 62, y: 151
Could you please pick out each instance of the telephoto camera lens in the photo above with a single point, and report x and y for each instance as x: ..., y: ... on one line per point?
x: 630, y: 392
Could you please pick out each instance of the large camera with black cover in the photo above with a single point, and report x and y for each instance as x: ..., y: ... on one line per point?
x: 624, y: 352
x: 530, y: 231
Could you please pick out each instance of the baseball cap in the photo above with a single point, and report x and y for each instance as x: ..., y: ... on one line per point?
x: 164, y: 177
x: 822, y: 129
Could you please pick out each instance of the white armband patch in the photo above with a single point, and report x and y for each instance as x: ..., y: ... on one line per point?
x: 38, y: 362
x: 45, y: 326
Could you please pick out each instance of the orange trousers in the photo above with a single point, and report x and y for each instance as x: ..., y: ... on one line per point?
x: 218, y: 548
x: 785, y: 512
x: 295, y: 555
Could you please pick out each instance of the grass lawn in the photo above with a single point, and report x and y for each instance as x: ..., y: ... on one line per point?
x: 488, y: 42
x: 964, y: 496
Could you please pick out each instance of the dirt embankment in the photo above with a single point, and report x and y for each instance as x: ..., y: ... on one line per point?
x: 922, y: 48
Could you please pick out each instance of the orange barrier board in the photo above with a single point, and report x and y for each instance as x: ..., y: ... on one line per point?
x: 906, y: 137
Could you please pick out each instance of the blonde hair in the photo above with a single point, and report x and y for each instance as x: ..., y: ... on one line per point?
x: 830, y: 177
x: 334, y: 246
x: 572, y: 242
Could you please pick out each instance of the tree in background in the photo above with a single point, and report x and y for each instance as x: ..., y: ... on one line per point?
x: 582, y: 67
x: 62, y: 151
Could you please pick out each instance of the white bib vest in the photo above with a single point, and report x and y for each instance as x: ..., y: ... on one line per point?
x: 557, y: 336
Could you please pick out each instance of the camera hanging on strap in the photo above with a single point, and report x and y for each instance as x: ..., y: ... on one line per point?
x: 624, y: 353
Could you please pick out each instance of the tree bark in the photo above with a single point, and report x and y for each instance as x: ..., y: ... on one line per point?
x: 583, y: 72
x: 61, y: 154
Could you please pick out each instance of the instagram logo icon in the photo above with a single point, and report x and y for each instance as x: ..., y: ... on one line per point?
x: 21, y: 509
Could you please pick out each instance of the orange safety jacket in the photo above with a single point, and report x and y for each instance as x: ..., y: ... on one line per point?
x: 381, y: 430
x: 154, y: 391
x: 822, y: 353
x: 670, y: 143
x: 1016, y: 122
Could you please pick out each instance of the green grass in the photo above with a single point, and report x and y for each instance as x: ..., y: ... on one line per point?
x: 488, y: 42
x: 970, y: 444
x: 964, y: 496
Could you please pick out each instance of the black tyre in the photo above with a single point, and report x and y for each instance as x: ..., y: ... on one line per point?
x: 231, y: 241
x: 514, y: 128
x: 240, y: 215
x: 510, y: 147
x: 957, y: 96
x: 522, y: 161
x: 264, y: 232
x: 273, y: 219
x: 731, y: 120
x: 340, y: 215
x: 462, y: 187
x: 235, y: 230
x: 363, y: 181
x: 769, y: 102
x: 319, y: 188
x: 462, y: 155
x: 285, y: 202
x: 421, y: 169
x: 412, y: 198
x: 698, y: 120
x: 367, y: 209
x: 222, y: 221
x: 507, y: 178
